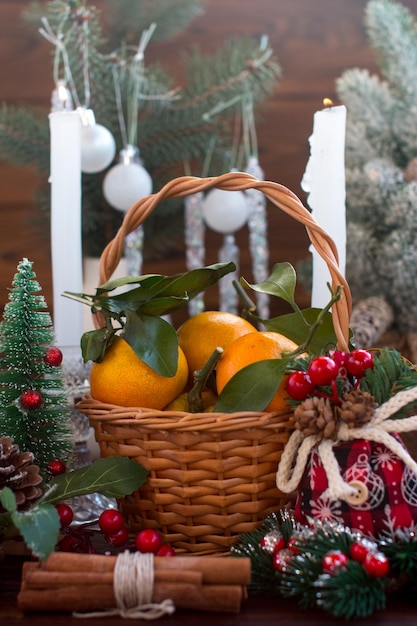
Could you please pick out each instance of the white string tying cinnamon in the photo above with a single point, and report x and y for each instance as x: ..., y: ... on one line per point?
x: 133, y: 590
x: 296, y: 453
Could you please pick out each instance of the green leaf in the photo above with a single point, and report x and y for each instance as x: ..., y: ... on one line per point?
x: 113, y: 477
x: 281, y: 283
x: 94, y: 344
x: 154, y: 341
x: 194, y: 281
x: 145, y: 281
x: 39, y: 528
x: 181, y: 287
x: 8, y: 499
x: 253, y: 387
x: 297, y: 328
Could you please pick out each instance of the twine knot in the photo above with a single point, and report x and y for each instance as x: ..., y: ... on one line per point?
x: 133, y: 589
x: 296, y: 452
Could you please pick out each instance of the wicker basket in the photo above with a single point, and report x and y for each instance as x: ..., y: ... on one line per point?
x: 211, y: 476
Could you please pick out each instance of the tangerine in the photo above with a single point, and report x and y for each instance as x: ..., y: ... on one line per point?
x: 251, y: 349
x: 201, y: 334
x: 122, y: 378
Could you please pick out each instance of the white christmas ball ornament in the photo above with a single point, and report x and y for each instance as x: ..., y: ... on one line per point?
x: 125, y: 184
x: 225, y: 211
x: 98, y: 148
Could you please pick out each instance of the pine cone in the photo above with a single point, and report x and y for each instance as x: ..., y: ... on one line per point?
x: 315, y: 416
x: 18, y: 472
x: 357, y: 408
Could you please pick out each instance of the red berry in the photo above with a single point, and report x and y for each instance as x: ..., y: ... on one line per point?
x: 118, y: 538
x: 358, y: 361
x: 165, y: 550
x: 65, y: 513
x: 358, y: 552
x: 148, y: 540
x: 334, y: 561
x: 323, y: 370
x: 376, y: 564
x: 360, y: 549
x: 299, y: 385
x: 56, y: 467
x: 339, y: 357
x: 53, y: 356
x: 110, y: 521
x: 31, y: 399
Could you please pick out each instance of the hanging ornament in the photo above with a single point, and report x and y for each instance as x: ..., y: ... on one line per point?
x: 128, y: 181
x: 98, y: 147
x: 258, y: 241
x: 124, y: 184
x: 226, y: 212
x: 194, y: 242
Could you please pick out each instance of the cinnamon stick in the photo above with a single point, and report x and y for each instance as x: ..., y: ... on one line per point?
x: 41, y: 579
x: 215, y: 570
x: 93, y: 597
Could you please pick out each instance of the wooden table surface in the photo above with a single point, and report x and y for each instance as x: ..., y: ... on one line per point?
x: 255, y: 611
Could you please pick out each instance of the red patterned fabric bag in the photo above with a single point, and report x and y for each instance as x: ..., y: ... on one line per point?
x: 386, y: 496
x: 363, y: 477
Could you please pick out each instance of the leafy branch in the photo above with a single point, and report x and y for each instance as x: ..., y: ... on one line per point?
x: 136, y: 313
x: 113, y: 477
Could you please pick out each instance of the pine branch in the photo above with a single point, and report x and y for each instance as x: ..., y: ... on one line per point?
x: 351, y: 593
x: 124, y: 18
x: 24, y: 137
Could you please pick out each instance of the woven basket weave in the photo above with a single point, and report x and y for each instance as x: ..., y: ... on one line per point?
x: 211, y: 476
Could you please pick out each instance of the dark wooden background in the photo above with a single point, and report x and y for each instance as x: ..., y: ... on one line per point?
x: 314, y: 40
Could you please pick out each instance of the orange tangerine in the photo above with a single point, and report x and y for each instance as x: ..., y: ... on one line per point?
x: 250, y: 349
x: 201, y: 334
x: 122, y: 378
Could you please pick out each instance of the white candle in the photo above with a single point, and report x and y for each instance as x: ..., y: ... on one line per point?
x: 324, y: 181
x: 66, y: 248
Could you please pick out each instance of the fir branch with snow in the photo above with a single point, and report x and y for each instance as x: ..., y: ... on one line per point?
x: 381, y: 166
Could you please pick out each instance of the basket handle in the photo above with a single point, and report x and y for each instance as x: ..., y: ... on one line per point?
x: 279, y: 195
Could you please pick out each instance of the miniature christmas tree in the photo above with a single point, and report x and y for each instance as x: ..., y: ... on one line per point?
x: 177, y: 129
x: 381, y: 169
x: 34, y: 410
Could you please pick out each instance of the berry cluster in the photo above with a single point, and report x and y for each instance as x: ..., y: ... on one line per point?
x: 364, y: 551
x: 112, y: 526
x: 324, y: 370
x: 374, y: 562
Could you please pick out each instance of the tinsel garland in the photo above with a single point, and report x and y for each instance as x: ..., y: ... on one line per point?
x: 289, y: 560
